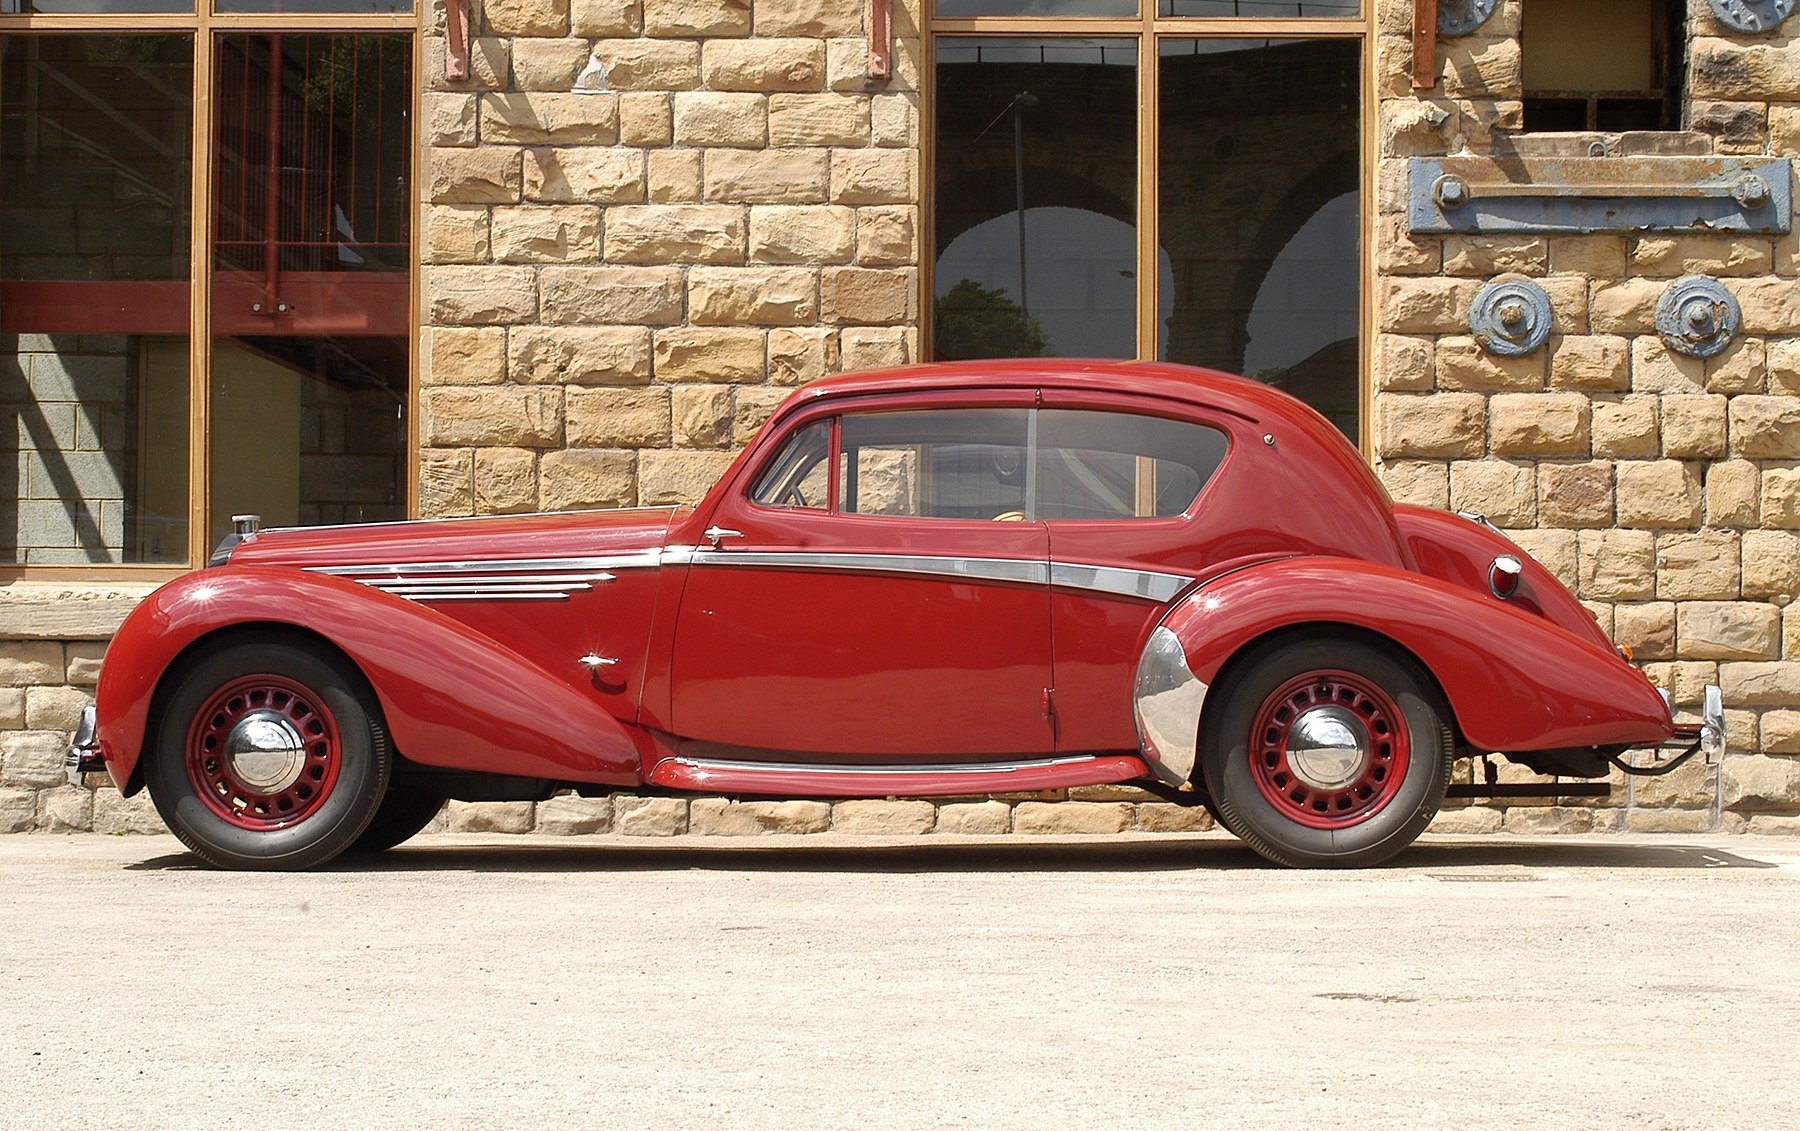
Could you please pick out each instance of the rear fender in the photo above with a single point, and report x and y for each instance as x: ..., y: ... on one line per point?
x: 1513, y: 681
x: 450, y: 696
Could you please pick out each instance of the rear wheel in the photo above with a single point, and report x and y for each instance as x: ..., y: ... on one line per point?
x: 402, y: 814
x: 1329, y: 753
x: 268, y: 756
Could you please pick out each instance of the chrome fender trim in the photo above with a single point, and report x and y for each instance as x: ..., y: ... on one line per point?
x: 1166, y: 701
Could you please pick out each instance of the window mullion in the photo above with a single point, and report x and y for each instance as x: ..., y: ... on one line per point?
x: 1147, y: 219
x: 200, y: 229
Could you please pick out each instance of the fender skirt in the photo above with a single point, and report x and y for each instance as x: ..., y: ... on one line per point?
x: 1515, y: 682
x: 451, y: 697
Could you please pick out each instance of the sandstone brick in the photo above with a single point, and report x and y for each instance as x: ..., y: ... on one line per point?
x: 480, y: 296
x: 1670, y: 255
x: 1648, y: 629
x: 584, y: 478
x: 674, y: 176
x: 490, y: 62
x: 114, y: 814
x: 766, y: 176
x: 1416, y: 127
x: 446, y: 482
x: 632, y: 296
x: 1439, y: 424
x: 701, y: 416
x: 1771, y: 305
x: 490, y: 816
x: 1780, y: 497
x: 1568, y: 305
x: 1750, y: 783
x: 1625, y: 428
x: 1504, y: 491
x: 721, y: 119
x: 646, y: 118
x: 1669, y: 820
x: 1540, y: 424
x: 568, y: 815
x: 1790, y: 631
x: 33, y: 758
x: 1617, y: 565
x: 1597, y: 256
x: 649, y: 64
x: 1765, y: 427
x: 1496, y: 255
x: 650, y: 816
x: 540, y: 234
x: 1742, y: 367
x: 1556, y: 550
x: 490, y: 416
x: 27, y: 662
x: 1469, y: 821
x: 1624, y: 306
x: 1405, y: 363
x: 67, y: 810
x: 820, y: 18
x: 818, y: 119
x: 18, y: 810
x: 1424, y: 306
x: 1598, y: 362
x: 1417, y: 483
x: 83, y: 658
x: 763, y: 64
x: 1481, y: 67
x: 1778, y: 732
x: 1061, y: 817
x: 1163, y: 817
x: 55, y: 708
x: 449, y: 120
x: 1685, y: 681
x: 1398, y: 251
x: 875, y: 347
x: 1784, y: 367
x: 694, y: 353
x: 1732, y: 493
x: 545, y: 118
x: 547, y: 64
x: 886, y: 237
x: 773, y: 296
x: 1727, y: 630
x: 1701, y: 566
x: 679, y: 477
x: 1771, y: 565
x: 506, y: 481
x: 1575, y: 494
x: 1654, y: 369
x: 974, y: 818
x: 595, y: 19
x: 1662, y: 493
x: 687, y: 18
x: 1547, y: 820
x: 1774, y: 684
x: 1693, y: 426
x: 716, y: 816
x: 580, y: 355
x: 801, y: 355
x: 584, y: 176
x: 802, y: 234
x: 484, y: 175
x: 618, y: 418
x: 894, y: 120
x: 675, y: 233
x: 1737, y: 127
x: 873, y: 176
x: 464, y: 355
x: 858, y: 294
x: 455, y: 233
x: 883, y: 818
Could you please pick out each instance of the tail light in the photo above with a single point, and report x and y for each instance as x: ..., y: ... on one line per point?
x: 1503, y: 576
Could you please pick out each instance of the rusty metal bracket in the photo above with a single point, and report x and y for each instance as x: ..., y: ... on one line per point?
x: 881, y: 38
x: 456, y: 40
x: 1752, y: 195
x: 1424, y: 44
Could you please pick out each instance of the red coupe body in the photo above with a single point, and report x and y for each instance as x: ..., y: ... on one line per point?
x: 940, y: 580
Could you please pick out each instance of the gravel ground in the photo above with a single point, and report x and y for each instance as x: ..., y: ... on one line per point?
x: 828, y: 982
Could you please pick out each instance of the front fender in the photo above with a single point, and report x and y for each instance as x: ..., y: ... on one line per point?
x: 1515, y: 682
x: 451, y: 697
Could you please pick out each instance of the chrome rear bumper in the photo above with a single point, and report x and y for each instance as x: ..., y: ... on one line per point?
x: 84, y: 751
x: 1707, y: 738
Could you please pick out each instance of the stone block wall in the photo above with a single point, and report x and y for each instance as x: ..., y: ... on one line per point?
x: 621, y: 286
x: 1663, y: 490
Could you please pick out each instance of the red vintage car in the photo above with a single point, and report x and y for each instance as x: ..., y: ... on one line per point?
x: 940, y: 580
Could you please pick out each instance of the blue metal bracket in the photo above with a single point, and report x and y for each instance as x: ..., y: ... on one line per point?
x: 1751, y: 195
x: 1753, y: 15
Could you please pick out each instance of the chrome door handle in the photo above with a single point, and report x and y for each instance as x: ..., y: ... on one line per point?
x: 714, y: 533
x: 593, y: 663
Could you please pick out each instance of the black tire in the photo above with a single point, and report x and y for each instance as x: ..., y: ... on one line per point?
x: 1386, y: 800
x: 334, y: 748
x: 402, y: 814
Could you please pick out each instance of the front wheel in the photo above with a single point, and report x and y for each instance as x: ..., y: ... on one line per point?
x: 1328, y: 753
x: 268, y: 756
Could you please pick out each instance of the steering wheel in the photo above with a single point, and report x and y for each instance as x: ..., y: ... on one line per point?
x: 1009, y: 516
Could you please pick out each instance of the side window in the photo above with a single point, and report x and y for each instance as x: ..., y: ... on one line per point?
x: 1111, y: 465
x: 943, y: 463
x: 800, y: 476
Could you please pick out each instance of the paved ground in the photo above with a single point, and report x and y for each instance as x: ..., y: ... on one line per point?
x: 830, y: 983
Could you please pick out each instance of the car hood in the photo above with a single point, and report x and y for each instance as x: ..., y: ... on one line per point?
x: 490, y: 539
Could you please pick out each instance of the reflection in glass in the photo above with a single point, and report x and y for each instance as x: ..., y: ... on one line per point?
x: 94, y: 7
x: 949, y: 463
x: 315, y: 7
x: 1260, y: 214
x: 1260, y: 9
x: 94, y: 188
x: 310, y: 290
x: 962, y: 9
x: 1036, y: 168
x: 1112, y: 465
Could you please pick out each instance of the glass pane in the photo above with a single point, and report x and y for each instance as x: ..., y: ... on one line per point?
x: 1036, y: 198
x: 1260, y: 270
x: 1262, y: 9
x: 962, y: 9
x: 311, y: 283
x: 302, y: 7
x: 94, y: 187
x: 800, y: 475
x: 953, y: 463
x: 94, y: 7
x: 1096, y: 465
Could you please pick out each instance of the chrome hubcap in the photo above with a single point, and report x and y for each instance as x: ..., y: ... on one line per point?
x: 1328, y: 747
x: 266, y: 751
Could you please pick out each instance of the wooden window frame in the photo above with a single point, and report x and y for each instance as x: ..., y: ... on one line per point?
x: 1150, y: 29
x: 207, y: 27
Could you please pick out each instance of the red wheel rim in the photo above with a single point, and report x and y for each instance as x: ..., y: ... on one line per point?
x: 1329, y: 792
x: 263, y: 752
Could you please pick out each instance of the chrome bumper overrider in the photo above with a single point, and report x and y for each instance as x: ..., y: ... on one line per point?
x: 84, y: 752
x: 1707, y: 738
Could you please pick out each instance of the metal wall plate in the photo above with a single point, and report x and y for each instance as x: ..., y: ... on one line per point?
x: 1753, y: 195
x: 1697, y: 316
x: 1752, y: 15
x: 1463, y: 17
x: 1510, y: 316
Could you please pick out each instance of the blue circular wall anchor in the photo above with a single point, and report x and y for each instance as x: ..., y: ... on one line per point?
x: 1510, y: 316
x: 1698, y: 317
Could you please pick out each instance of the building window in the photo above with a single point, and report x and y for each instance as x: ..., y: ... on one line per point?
x: 1609, y: 65
x: 292, y: 195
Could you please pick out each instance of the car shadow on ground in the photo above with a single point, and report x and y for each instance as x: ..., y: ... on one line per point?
x: 1438, y: 858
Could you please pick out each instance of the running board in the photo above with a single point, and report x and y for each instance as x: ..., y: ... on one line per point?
x: 802, y: 779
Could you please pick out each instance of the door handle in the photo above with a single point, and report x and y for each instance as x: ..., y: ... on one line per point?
x: 714, y: 533
x: 594, y: 663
